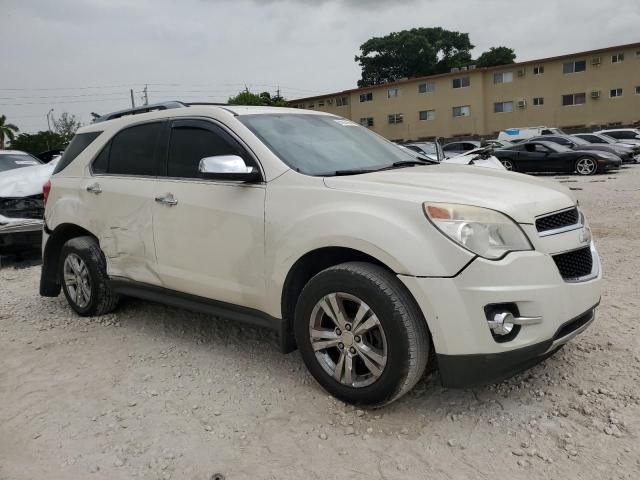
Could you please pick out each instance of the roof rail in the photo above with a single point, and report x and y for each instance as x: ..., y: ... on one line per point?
x: 143, y: 109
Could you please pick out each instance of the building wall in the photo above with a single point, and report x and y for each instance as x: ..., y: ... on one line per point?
x: 482, y: 94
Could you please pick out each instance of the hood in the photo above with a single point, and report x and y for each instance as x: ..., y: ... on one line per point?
x: 24, y: 182
x: 602, y: 148
x: 520, y: 196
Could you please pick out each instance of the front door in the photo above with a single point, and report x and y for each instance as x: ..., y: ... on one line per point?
x: 209, y: 234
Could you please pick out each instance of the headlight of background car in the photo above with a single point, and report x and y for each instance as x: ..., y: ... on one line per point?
x: 485, y: 232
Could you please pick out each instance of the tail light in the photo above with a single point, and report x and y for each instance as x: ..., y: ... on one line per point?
x: 46, y: 188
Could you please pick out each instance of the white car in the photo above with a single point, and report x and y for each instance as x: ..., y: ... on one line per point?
x: 480, y: 156
x: 371, y: 262
x: 22, y: 177
x: 525, y: 133
x: 626, y: 135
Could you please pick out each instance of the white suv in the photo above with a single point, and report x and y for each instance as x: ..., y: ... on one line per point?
x: 372, y: 263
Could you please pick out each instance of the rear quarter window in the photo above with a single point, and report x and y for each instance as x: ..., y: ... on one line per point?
x: 79, y: 143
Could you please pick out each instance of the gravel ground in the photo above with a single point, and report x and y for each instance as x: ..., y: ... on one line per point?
x: 155, y: 393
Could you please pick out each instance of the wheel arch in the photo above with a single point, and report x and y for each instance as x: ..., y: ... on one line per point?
x: 49, y: 285
x: 305, y: 268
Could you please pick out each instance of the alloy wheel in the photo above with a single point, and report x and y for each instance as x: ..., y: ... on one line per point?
x: 348, y: 339
x: 585, y: 166
x: 507, y: 165
x: 77, y: 280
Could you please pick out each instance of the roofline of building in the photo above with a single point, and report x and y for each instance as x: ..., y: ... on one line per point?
x: 480, y: 69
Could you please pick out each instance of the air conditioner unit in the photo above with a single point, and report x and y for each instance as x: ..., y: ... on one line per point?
x: 455, y: 69
x: 596, y: 61
x: 595, y: 94
x: 521, y: 72
x: 522, y: 103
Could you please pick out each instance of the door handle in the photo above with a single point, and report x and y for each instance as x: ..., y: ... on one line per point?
x: 167, y: 199
x: 95, y: 189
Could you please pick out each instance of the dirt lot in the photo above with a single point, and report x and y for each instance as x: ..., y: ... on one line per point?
x: 153, y: 392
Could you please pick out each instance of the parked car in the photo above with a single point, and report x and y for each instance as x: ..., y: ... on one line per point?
x: 49, y: 155
x: 541, y: 156
x: 431, y: 150
x: 602, y: 139
x: 524, y: 133
x: 500, y: 143
x: 21, y: 203
x: 456, y: 148
x: 575, y: 143
x: 371, y: 262
x: 628, y: 135
x: 480, y: 157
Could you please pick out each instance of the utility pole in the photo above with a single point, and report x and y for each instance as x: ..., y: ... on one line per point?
x: 133, y: 103
x: 49, y: 125
x: 146, y: 95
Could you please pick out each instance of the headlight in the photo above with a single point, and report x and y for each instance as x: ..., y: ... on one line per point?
x: 485, y: 232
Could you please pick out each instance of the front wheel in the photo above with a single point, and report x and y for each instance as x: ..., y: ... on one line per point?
x: 361, y: 334
x: 586, y: 166
x: 508, y: 165
x: 84, y: 280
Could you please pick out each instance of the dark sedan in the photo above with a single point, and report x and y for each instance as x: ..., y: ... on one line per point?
x: 576, y: 143
x: 543, y: 156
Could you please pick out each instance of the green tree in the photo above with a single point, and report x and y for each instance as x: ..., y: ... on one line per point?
x: 7, y: 131
x: 247, y: 98
x: 412, y: 53
x: 66, y: 126
x: 496, y: 56
x: 35, y: 143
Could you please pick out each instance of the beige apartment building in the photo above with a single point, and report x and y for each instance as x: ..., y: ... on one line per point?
x: 582, y: 90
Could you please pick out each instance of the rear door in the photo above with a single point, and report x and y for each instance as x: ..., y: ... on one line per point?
x: 119, y: 192
x: 210, y: 238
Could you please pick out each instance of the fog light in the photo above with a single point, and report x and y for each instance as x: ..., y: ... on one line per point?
x: 502, y: 323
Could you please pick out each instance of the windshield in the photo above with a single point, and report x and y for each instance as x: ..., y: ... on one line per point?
x: 321, y: 144
x: 607, y: 138
x: 429, y: 148
x: 580, y: 141
x: 11, y: 161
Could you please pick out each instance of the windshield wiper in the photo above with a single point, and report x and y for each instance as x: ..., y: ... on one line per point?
x: 411, y: 163
x: 398, y: 164
x: 355, y: 171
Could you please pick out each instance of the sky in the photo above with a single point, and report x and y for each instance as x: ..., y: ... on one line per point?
x: 83, y: 56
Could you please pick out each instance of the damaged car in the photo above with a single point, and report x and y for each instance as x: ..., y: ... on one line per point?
x: 22, y: 177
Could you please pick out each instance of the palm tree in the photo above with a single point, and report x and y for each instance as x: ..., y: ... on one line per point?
x: 7, y: 130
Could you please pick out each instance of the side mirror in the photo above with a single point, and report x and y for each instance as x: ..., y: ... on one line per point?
x: 227, y: 167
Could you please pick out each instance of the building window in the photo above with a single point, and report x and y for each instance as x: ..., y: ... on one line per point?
x: 615, y: 92
x: 537, y: 101
x: 539, y: 70
x: 503, y: 77
x: 426, y: 88
x: 461, y: 82
x: 638, y: 90
x: 395, y: 118
x: 503, y: 107
x: 427, y: 115
x: 393, y: 92
x: 574, y: 67
x: 366, y: 121
x: 574, y: 99
x: 311, y: 105
x: 321, y: 103
x: 463, y: 111
x: 617, y: 58
x: 342, y: 101
x: 366, y: 97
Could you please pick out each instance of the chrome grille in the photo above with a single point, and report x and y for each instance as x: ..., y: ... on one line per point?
x: 559, y: 220
x: 575, y: 264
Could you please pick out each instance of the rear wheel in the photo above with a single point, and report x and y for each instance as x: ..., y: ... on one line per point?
x: 507, y: 164
x: 83, y: 276
x: 586, y: 166
x: 361, y: 334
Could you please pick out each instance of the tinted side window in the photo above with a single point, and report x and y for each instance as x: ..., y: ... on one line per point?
x: 132, y: 150
x: 190, y: 144
x: 450, y: 147
x: 78, y: 144
x: 101, y: 163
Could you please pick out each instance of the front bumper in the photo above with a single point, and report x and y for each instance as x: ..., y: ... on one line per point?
x: 455, y: 312
x: 16, y: 233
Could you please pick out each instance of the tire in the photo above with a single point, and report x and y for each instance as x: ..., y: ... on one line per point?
x: 400, y: 336
x: 82, y: 261
x: 508, y: 165
x: 586, y: 166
